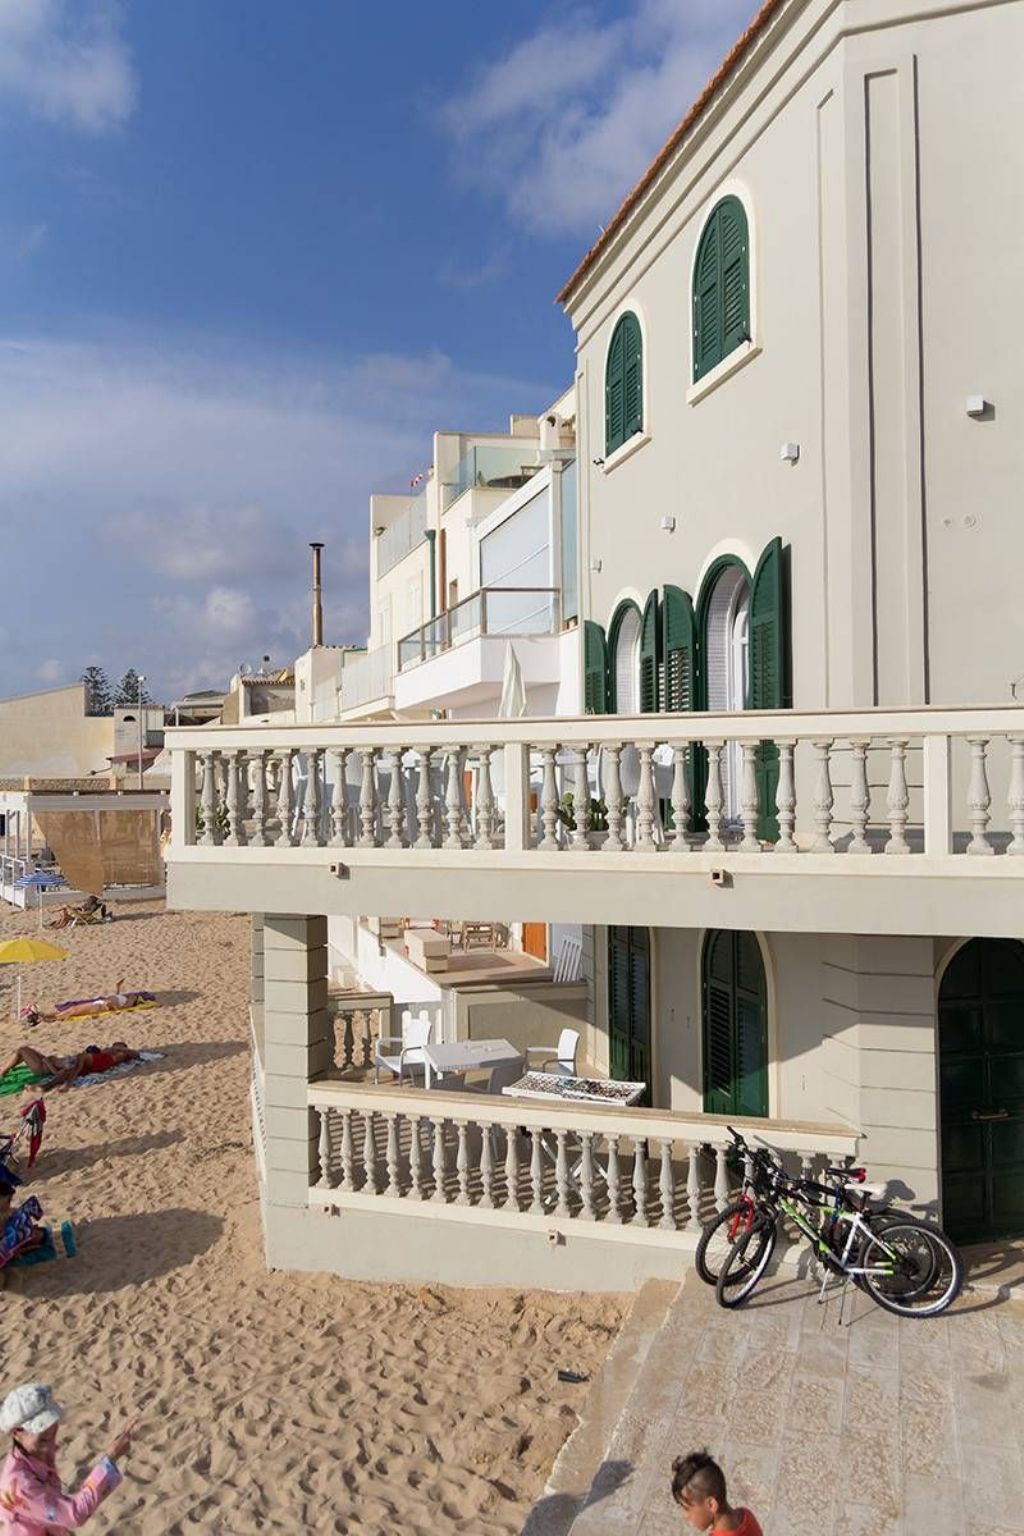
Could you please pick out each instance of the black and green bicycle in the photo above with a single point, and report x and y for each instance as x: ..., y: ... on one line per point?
x: 905, y: 1265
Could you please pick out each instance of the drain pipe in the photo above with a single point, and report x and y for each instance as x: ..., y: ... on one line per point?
x: 431, y: 538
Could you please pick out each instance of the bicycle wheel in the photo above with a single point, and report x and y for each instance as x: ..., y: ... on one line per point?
x: 878, y: 1221
x: 913, y: 1269
x: 718, y: 1237
x: 746, y: 1262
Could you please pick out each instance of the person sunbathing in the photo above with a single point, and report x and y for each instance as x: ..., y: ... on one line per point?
x: 61, y: 1071
x: 89, y: 1007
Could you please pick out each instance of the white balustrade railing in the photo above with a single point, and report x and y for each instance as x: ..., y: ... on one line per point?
x: 877, y: 782
x: 478, y: 1154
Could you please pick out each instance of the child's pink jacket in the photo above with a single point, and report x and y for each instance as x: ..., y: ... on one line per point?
x: 31, y: 1501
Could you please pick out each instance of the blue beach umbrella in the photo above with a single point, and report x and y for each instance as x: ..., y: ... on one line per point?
x: 40, y: 880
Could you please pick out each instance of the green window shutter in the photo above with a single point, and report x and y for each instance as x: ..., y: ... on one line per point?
x: 679, y: 645
x: 735, y: 1026
x: 629, y: 1004
x: 623, y: 385
x: 721, y: 286
x: 618, y: 1002
x: 769, y: 645
x: 595, y: 669
x: 649, y: 657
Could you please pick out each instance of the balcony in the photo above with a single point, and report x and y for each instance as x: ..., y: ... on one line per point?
x: 906, y: 822
x: 368, y: 680
x: 493, y: 468
x: 403, y: 535
x: 478, y: 628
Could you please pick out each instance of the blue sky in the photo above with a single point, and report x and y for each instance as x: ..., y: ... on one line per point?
x: 251, y: 256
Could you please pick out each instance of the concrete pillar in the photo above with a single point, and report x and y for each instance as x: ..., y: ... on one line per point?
x: 296, y: 1048
x: 879, y: 1050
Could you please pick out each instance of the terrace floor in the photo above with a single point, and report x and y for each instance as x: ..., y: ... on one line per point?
x: 887, y: 1426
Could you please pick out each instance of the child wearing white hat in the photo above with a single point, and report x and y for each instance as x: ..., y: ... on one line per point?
x: 32, y: 1501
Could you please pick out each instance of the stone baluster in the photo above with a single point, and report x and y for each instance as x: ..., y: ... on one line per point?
x: 367, y: 1014
x: 580, y: 800
x: 210, y: 837
x: 667, y: 1188
x: 235, y: 764
x: 348, y: 1160
x: 722, y: 1193
x: 259, y: 838
x: 285, y: 800
x: 806, y: 1164
x: 347, y: 1040
x: 613, y: 798
x: 646, y: 800
x: 440, y: 1195
x: 368, y: 800
x: 588, y: 1212
x: 370, y: 1160
x: 1016, y: 795
x: 462, y: 1163
x: 424, y: 801
x: 511, y: 1168
x: 486, y: 1200
x: 339, y: 827
x: 485, y: 806
x: 453, y: 813
x: 714, y: 797
x: 394, y: 1188
x: 325, y: 1181
x: 562, y: 1207
x: 785, y: 799
x: 860, y: 795
x: 749, y: 801
x: 312, y: 836
x: 680, y: 800
x: 536, y: 1173
x: 979, y: 796
x: 897, y: 799
x: 639, y: 1217
x: 823, y: 799
x: 396, y: 802
x: 613, y: 1179
x: 693, y: 1221
x: 415, y: 1159
x: 549, y: 799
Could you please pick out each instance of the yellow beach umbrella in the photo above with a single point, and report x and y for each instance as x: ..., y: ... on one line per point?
x: 26, y: 951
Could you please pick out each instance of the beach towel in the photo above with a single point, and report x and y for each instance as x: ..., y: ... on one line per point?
x: 119, y: 1071
x: 18, y: 1229
x: 17, y: 1079
x: 61, y: 1246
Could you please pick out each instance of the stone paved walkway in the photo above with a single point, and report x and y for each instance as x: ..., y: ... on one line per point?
x: 888, y: 1426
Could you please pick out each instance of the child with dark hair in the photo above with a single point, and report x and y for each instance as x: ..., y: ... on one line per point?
x: 698, y: 1487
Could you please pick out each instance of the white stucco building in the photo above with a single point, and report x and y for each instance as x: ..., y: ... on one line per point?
x: 795, y: 718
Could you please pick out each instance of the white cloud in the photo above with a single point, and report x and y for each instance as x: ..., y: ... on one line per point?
x: 166, y: 492
x: 562, y: 126
x: 65, y: 61
x: 51, y: 671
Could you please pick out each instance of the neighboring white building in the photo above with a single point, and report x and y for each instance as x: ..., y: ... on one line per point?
x: 801, y: 757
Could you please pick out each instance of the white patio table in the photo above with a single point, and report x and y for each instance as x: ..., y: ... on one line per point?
x: 467, y: 1056
x: 586, y: 1090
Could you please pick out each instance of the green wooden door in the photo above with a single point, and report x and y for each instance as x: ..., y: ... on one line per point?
x: 629, y: 1004
x: 595, y: 669
x: 981, y: 1076
x: 735, y: 1025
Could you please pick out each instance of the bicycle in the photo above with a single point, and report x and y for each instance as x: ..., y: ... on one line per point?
x: 906, y: 1266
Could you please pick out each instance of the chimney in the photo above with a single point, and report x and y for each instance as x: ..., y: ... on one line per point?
x: 318, y: 612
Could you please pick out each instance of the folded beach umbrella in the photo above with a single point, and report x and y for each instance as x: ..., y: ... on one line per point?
x: 40, y: 880
x: 26, y: 951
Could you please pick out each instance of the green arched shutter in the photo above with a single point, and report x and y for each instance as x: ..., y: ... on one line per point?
x: 679, y: 631
x: 623, y: 385
x: 735, y: 1026
x: 721, y: 286
x: 629, y: 1004
x: 768, y: 671
x: 649, y: 657
x: 595, y: 669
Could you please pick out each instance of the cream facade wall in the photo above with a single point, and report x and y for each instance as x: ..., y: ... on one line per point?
x: 49, y: 735
x: 862, y: 149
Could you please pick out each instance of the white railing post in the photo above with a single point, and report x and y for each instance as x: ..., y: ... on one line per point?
x: 517, y: 772
x: 368, y: 800
x: 312, y: 805
x: 938, y: 818
x: 484, y: 799
x: 979, y: 796
x: 549, y: 799
x: 613, y: 1180
x: 1016, y: 794
x: 897, y: 799
x: 785, y: 799
x: 339, y: 834
x: 581, y: 799
x: 646, y: 800
x: 211, y: 830
x: 823, y: 799
x: 680, y: 800
x: 424, y: 800
x: 750, y: 804
x: 860, y: 795
x: 285, y: 799
x: 714, y: 797
x: 614, y: 808
x: 693, y: 1223
x: 259, y: 837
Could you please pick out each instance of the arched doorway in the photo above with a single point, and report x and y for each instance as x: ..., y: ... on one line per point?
x: 625, y: 659
x: 629, y: 1004
x: 981, y: 1083
x: 734, y: 1011
x: 727, y: 668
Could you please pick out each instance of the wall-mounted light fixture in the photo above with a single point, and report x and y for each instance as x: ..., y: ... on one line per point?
x: 595, y: 565
x: 789, y: 453
x: 668, y: 524
x: 598, y: 462
x: 978, y: 406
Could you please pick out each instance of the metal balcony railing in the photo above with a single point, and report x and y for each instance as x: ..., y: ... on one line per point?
x: 489, y: 611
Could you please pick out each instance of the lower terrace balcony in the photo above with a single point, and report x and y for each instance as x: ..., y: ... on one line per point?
x: 907, y: 822
x: 458, y: 658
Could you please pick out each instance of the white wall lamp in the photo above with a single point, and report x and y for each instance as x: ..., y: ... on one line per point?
x: 978, y: 407
x: 789, y: 453
x: 668, y: 524
x: 595, y: 565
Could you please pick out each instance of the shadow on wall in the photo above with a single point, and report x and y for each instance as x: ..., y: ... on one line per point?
x: 554, y: 1515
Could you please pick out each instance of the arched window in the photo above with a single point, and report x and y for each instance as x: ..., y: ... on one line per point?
x: 623, y: 384
x: 624, y: 659
x: 721, y: 286
x: 735, y: 1025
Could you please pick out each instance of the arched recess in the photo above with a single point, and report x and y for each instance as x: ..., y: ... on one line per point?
x: 624, y: 638
x: 734, y: 1019
x: 981, y: 1090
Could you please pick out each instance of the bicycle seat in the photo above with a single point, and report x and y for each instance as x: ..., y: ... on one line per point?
x: 866, y: 1191
x: 848, y: 1175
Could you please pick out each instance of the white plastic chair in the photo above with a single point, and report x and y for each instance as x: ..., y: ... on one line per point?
x: 559, y: 1059
x: 569, y: 960
x: 417, y: 1030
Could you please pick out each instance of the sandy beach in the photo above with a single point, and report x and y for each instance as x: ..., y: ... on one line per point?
x: 269, y: 1402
